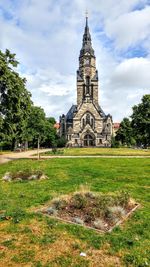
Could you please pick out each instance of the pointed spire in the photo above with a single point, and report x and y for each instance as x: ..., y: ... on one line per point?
x: 86, y: 15
x: 86, y: 36
x: 87, y: 43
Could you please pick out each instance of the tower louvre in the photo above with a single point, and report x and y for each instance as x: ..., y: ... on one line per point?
x: 86, y: 124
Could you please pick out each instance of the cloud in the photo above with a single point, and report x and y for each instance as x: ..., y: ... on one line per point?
x: 129, y: 28
x: 47, y: 37
x: 132, y: 73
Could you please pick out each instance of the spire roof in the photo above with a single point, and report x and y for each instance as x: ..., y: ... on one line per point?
x: 87, y: 42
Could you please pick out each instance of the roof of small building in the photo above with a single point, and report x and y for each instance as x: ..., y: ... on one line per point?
x: 116, y: 125
x: 57, y: 125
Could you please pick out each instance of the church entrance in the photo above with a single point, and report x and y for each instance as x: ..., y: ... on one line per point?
x: 89, y: 140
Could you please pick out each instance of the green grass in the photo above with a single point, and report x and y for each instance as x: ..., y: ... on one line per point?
x: 30, y: 238
x: 100, y: 152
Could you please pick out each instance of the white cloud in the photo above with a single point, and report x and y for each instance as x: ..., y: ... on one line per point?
x: 132, y: 73
x: 129, y: 28
x: 47, y: 36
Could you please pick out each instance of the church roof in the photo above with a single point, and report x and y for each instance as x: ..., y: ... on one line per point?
x: 70, y: 113
x: 101, y: 112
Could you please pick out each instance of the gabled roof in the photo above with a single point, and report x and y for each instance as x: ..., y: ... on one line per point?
x: 70, y: 113
x: 101, y: 112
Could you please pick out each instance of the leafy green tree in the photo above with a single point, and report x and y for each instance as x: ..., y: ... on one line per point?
x: 50, y: 134
x: 15, y: 100
x: 35, y: 127
x: 141, y: 122
x: 125, y: 133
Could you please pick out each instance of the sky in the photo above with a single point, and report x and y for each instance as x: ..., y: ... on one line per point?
x: 46, y: 37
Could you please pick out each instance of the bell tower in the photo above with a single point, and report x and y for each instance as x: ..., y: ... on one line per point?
x: 87, y: 75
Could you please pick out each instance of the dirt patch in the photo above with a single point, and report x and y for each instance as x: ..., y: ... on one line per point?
x: 24, y: 175
x: 101, y: 212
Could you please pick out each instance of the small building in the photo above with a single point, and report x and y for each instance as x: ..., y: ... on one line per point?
x: 86, y: 124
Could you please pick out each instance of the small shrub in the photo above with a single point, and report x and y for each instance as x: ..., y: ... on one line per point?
x: 88, y: 218
x: 78, y: 201
x: 102, y: 203
x: 99, y: 224
x: 111, y: 217
x: 59, y: 203
x: 51, y: 211
x: 78, y: 221
x: 22, y: 174
x: 90, y: 195
x: 118, y: 211
x: 123, y: 199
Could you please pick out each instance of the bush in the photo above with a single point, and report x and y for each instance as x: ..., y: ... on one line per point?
x: 123, y: 199
x: 78, y: 201
x: 99, y: 224
x: 59, y: 203
x: 114, y: 143
x: 61, y: 142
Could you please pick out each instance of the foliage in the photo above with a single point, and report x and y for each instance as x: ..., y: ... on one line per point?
x: 114, y: 143
x: 61, y: 142
x: 125, y: 133
x: 137, y: 130
x: 141, y: 122
x: 15, y: 100
x: 78, y: 201
x: 99, y: 224
x: 35, y: 125
x: 20, y: 121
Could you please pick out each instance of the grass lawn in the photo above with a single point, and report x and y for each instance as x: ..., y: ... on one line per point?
x: 101, y: 151
x: 30, y: 239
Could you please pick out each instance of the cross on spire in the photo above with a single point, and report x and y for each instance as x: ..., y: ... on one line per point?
x: 86, y: 13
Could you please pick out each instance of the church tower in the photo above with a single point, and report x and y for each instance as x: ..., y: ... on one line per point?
x: 87, y: 75
x: 86, y: 124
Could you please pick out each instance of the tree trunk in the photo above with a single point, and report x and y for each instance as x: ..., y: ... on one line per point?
x: 13, y: 144
x: 38, y: 147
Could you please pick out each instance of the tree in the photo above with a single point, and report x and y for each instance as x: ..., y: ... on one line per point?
x: 35, y: 127
x: 15, y: 100
x: 125, y: 133
x: 141, y: 122
x: 50, y: 134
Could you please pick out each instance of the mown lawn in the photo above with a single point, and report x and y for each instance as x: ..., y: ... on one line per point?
x: 100, y: 151
x: 30, y: 239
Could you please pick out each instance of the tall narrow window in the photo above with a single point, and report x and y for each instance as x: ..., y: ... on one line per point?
x: 87, y: 84
x: 83, y: 122
x: 88, y: 119
x: 84, y: 93
x: 91, y: 90
x: 92, y: 123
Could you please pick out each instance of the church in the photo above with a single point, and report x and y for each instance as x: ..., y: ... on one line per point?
x: 86, y: 124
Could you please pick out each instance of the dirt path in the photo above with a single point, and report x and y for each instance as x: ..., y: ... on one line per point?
x: 20, y: 155
x: 30, y: 154
x: 93, y: 156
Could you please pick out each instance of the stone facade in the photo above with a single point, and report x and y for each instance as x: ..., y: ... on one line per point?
x: 86, y: 124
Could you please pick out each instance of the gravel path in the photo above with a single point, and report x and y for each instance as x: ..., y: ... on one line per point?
x: 30, y: 154
x: 20, y: 155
